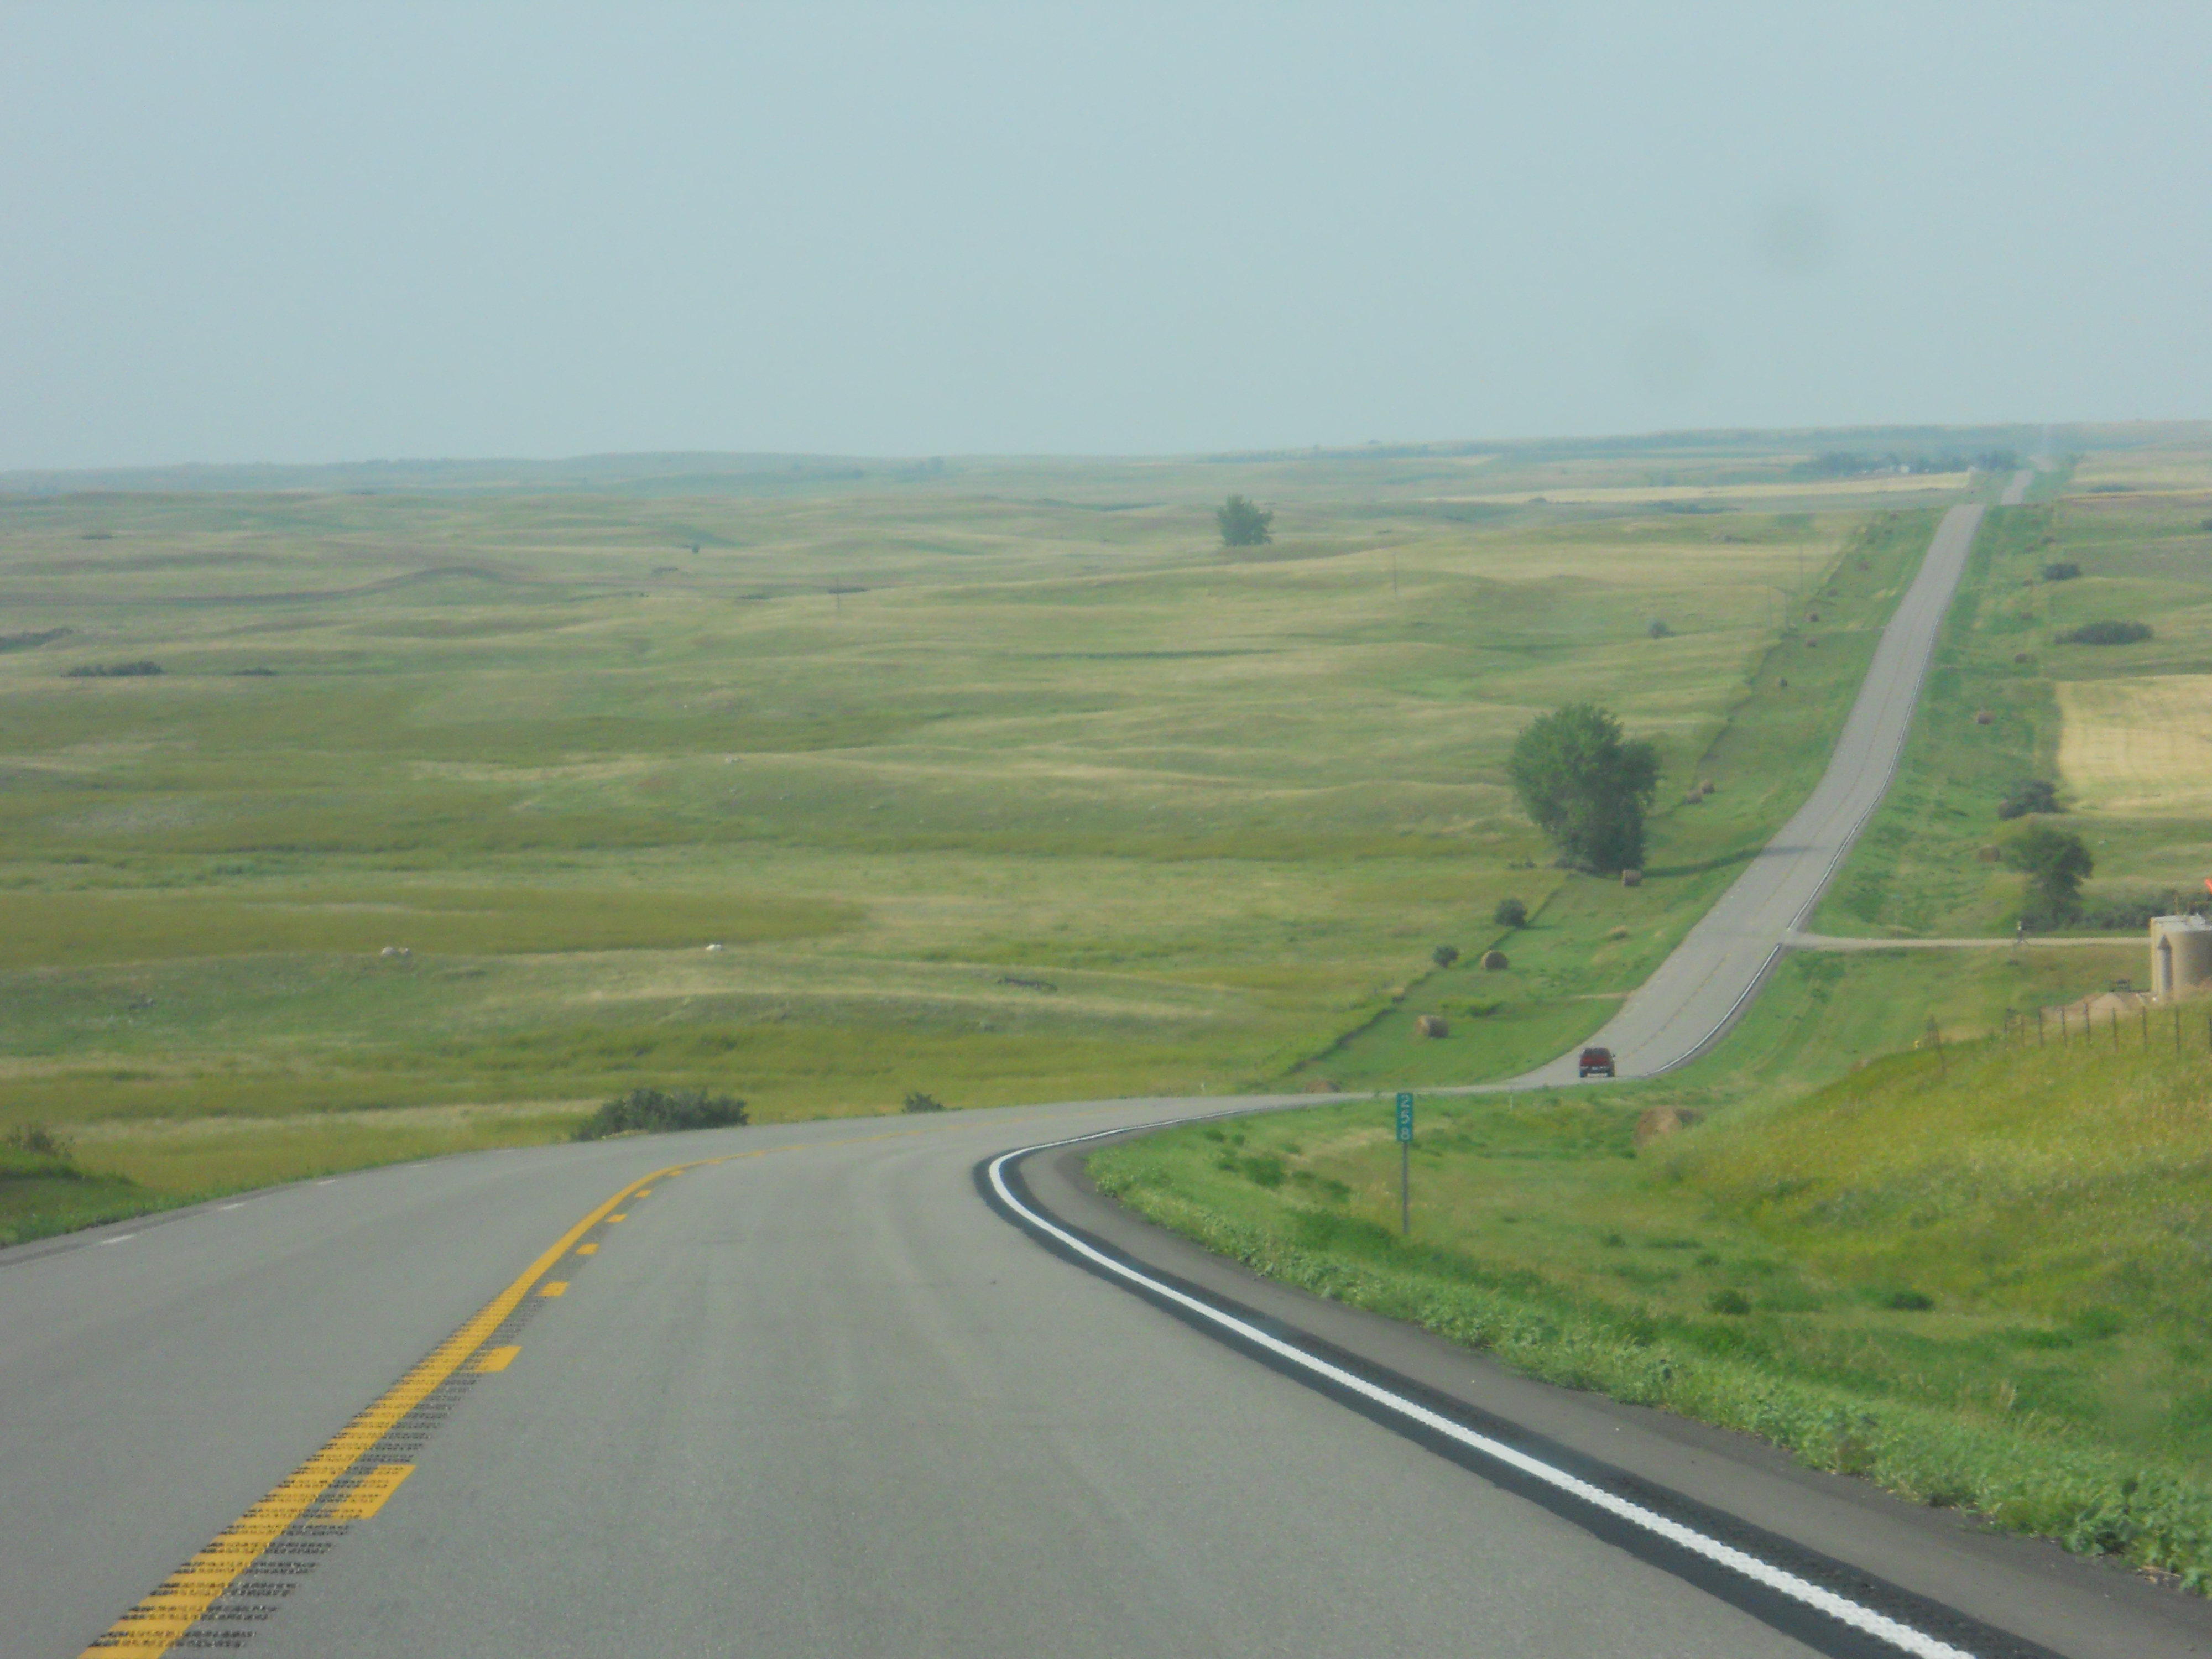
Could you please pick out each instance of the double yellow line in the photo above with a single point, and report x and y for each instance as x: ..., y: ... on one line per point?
x: 155, y: 1626
x: 157, y: 1623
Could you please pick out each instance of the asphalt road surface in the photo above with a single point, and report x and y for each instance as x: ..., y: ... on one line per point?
x: 1711, y: 977
x: 833, y: 1390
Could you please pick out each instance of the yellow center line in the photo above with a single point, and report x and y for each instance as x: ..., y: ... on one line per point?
x: 498, y: 1359
x: 369, y: 1492
x: 155, y: 1626
x: 157, y: 1623
x: 588, y: 1249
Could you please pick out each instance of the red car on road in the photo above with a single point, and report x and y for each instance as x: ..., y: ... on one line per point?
x: 1594, y: 1062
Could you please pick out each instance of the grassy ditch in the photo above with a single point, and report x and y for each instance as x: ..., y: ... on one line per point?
x: 1976, y: 1277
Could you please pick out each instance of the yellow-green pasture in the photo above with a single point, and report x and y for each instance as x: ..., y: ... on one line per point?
x: 999, y: 796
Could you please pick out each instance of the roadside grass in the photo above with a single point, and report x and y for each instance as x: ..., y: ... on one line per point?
x: 119, y: 1169
x: 1976, y: 1278
x: 2118, y: 727
x: 44, y: 1192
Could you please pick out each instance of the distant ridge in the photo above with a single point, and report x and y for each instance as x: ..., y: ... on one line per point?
x: 710, y: 472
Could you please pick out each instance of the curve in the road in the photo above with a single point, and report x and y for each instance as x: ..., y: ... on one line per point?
x: 1829, y: 1606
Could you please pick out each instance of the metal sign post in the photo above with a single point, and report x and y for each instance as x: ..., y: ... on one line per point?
x: 1404, y: 1164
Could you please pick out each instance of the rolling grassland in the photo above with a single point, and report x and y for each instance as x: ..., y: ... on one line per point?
x: 1898, y: 1237
x: 1000, y: 795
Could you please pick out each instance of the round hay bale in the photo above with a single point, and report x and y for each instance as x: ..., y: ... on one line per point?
x: 1431, y: 1025
x: 1988, y: 854
x: 1663, y: 1121
x: 1812, y: 616
x: 1618, y: 932
x: 1983, y: 717
x: 395, y: 952
x: 2023, y: 656
x: 1810, y: 641
x: 1695, y: 797
x: 1494, y: 960
x: 712, y: 948
x: 1632, y: 879
x: 1708, y: 788
x: 1783, y: 683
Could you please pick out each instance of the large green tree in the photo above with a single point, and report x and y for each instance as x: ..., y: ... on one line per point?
x: 1586, y: 787
x: 1243, y: 523
x: 2056, y: 864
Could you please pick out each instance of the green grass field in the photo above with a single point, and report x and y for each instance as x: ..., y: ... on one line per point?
x: 1002, y: 780
x: 1975, y: 1276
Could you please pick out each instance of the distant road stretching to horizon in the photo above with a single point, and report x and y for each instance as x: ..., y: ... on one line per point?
x: 801, y: 1389
x: 1693, y: 996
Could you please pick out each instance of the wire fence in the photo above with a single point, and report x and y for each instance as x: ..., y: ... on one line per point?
x: 2083, y: 1024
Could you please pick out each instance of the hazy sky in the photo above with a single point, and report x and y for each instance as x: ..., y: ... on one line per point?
x: 339, y: 232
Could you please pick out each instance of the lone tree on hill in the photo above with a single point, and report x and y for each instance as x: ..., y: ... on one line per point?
x: 1585, y: 786
x: 2057, y: 864
x: 1244, y: 523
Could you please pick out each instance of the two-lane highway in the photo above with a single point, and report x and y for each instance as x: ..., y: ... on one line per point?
x: 813, y: 1394
x: 816, y: 1399
x: 1713, y: 976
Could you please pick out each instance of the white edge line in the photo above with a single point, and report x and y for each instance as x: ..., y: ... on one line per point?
x: 1838, y: 1607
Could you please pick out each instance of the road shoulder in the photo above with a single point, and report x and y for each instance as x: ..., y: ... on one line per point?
x: 2068, y: 1603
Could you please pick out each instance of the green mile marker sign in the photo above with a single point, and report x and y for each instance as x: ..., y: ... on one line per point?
x: 1404, y: 1116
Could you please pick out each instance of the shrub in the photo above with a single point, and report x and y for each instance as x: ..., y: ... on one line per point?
x: 2106, y: 633
x: 1266, y: 1172
x: 2056, y: 864
x: 2061, y: 570
x: 112, y: 671
x: 656, y: 1111
x: 36, y: 1140
x: 1444, y: 955
x: 1732, y: 1301
x: 918, y: 1102
x: 1909, y: 1301
x: 2029, y: 795
x: 1510, y: 913
x: 1658, y: 629
x: 2125, y: 912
